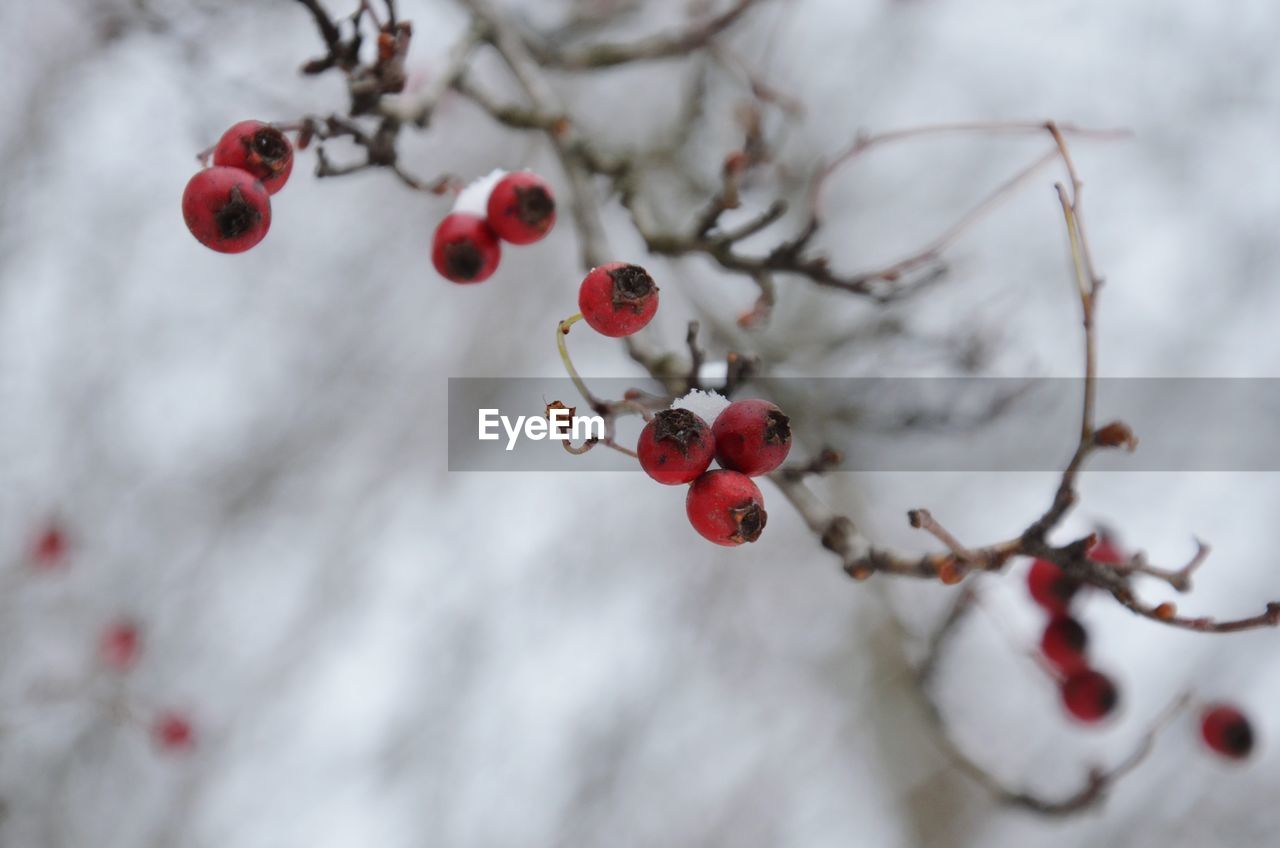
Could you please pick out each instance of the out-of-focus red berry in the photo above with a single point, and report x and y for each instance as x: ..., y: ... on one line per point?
x: 1063, y: 644
x: 1089, y: 695
x: 173, y: 732
x: 1227, y: 731
x: 120, y: 645
x: 1050, y: 587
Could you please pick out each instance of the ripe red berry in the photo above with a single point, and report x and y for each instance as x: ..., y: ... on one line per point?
x: 50, y: 548
x: 465, y: 250
x: 258, y: 148
x: 1227, y: 731
x: 752, y: 437
x: 1107, y: 551
x: 618, y: 299
x: 675, y: 447
x: 726, y: 508
x: 521, y: 208
x: 1050, y: 587
x: 119, y: 644
x: 1089, y: 695
x: 226, y: 209
x: 173, y: 732
x: 1063, y: 644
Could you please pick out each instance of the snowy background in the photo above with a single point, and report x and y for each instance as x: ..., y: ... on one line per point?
x: 248, y: 454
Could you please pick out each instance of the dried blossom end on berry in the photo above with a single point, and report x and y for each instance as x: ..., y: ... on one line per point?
x: 258, y: 149
x: 521, y: 208
x: 465, y: 249
x: 726, y: 507
x: 226, y: 209
x: 675, y: 447
x: 631, y: 286
x: 752, y: 436
x: 618, y: 299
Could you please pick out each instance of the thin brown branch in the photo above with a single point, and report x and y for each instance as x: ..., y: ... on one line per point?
x: 418, y: 108
x: 662, y: 46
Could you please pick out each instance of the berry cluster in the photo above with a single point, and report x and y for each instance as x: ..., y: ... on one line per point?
x: 119, y: 648
x: 1088, y: 694
x: 676, y: 447
x: 747, y: 439
x: 227, y: 206
x: 518, y: 208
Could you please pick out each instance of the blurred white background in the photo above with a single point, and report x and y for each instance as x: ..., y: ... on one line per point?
x: 248, y: 453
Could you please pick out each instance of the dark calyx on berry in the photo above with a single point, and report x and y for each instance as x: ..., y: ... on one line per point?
x: 270, y: 145
x: 463, y: 259
x: 1073, y: 634
x: 237, y: 216
x: 632, y: 285
x: 534, y: 206
x: 1237, y: 738
x: 679, y: 426
x: 750, y: 519
x: 777, y: 428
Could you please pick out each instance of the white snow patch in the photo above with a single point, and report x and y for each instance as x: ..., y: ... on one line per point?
x: 474, y: 199
x: 705, y: 405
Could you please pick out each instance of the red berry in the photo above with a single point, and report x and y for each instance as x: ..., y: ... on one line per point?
x: 465, y: 250
x: 1089, y: 695
x: 173, y: 732
x: 1227, y: 731
x: 1107, y: 551
x: 119, y: 644
x: 258, y: 148
x: 226, y: 209
x: 521, y: 208
x: 726, y: 507
x: 50, y: 548
x: 618, y: 299
x: 1050, y: 587
x: 1063, y: 644
x: 752, y: 437
x: 675, y: 447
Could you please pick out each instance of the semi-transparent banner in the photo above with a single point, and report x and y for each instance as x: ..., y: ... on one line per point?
x: 897, y: 424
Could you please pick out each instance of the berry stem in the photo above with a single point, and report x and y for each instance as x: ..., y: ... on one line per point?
x: 562, y: 330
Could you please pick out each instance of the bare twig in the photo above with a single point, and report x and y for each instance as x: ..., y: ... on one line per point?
x: 664, y: 46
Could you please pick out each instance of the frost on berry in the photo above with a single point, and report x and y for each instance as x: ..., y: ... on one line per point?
x: 473, y: 199
x: 707, y: 405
